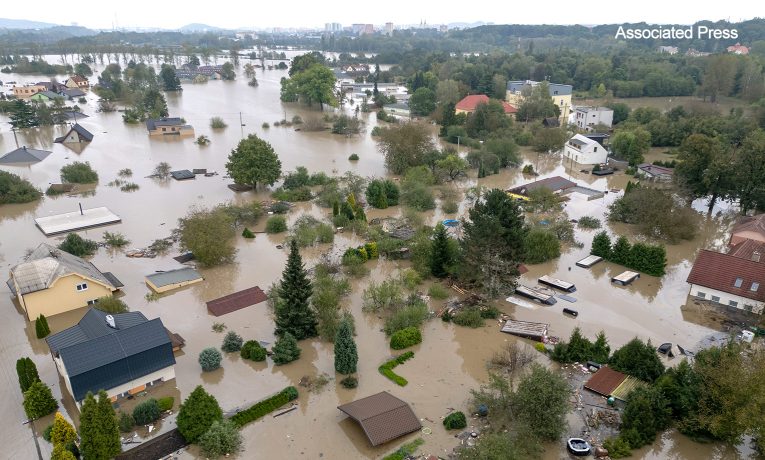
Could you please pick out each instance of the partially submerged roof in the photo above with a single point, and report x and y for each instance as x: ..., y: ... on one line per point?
x: 236, y: 301
x: 655, y: 170
x: 722, y: 272
x: 24, y: 155
x: 46, y: 264
x: 98, y: 356
x: 153, y: 123
x: 383, y: 417
x: 555, y: 183
x: 76, y: 220
x: 470, y: 102
x: 170, y: 277
x: 85, y: 135
x: 182, y: 174
x: 749, y: 249
x: 74, y: 92
x: 72, y: 115
x: 605, y: 381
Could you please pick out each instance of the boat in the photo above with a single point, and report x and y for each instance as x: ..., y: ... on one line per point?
x: 450, y: 223
x: 578, y: 446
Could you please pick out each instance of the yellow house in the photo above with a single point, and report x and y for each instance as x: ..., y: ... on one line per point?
x: 169, y: 127
x: 52, y: 281
x: 559, y: 93
x: 161, y: 282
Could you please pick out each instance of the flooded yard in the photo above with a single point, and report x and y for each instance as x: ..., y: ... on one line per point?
x: 449, y: 362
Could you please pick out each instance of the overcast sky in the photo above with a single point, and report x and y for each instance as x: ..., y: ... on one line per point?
x: 314, y: 13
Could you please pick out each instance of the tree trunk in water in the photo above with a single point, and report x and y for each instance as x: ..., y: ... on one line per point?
x: 712, y: 202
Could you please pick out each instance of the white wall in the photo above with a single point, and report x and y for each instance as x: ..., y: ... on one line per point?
x: 587, y: 156
x: 725, y: 298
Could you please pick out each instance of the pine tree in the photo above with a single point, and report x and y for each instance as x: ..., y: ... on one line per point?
x: 42, y: 329
x: 335, y: 208
x: 99, y: 434
x: 621, y: 251
x: 63, y: 432
x: 346, y: 356
x: 39, y: 401
x: 61, y: 453
x: 27, y: 372
x: 197, y: 414
x: 293, y: 312
x: 441, y: 254
x: 601, y: 245
x: 23, y: 115
x: 232, y: 342
x: 285, y: 349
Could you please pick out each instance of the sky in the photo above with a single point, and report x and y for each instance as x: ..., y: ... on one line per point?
x: 314, y: 14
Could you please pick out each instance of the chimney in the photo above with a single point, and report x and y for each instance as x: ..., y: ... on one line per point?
x: 756, y: 256
x: 110, y: 322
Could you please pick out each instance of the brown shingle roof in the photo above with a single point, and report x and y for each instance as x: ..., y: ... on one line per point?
x: 605, y: 381
x: 236, y: 301
x: 719, y: 271
x: 383, y: 417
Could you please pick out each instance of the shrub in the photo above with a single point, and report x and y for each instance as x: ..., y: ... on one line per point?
x: 386, y: 369
x: 455, y: 421
x: 115, y: 240
x: 353, y: 157
x: 232, y: 342
x: 42, y: 329
x: 617, y: 447
x: 27, y: 373
x: 285, y: 349
x: 410, y: 278
x: 210, y: 359
x: 125, y: 422
x: 589, y: 222
x: 489, y: 312
x: 78, y: 173
x: 111, y: 304
x: 218, y: 327
x: 265, y: 406
x: 76, y: 245
x: 438, y: 292
x: 252, y: 350
x: 528, y: 169
x: 166, y: 403
x: 540, y: 246
x: 540, y: 347
x: 404, y: 452
x: 162, y: 170
x: 197, y: 413
x: 217, y: 123
x: 280, y: 207
x: 292, y: 195
x: 412, y: 315
x: 247, y: 233
x: 449, y: 207
x: 276, y: 224
x: 46, y: 432
x: 405, y: 338
x: 146, y: 412
x: 208, y: 234
x: 469, y: 317
x: 14, y: 189
x: 38, y: 400
x: 222, y: 438
x: 349, y: 382
x: 126, y: 172
x: 265, y: 125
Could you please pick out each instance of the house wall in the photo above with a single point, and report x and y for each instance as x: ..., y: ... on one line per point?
x: 170, y: 287
x: 172, y: 131
x: 587, y: 156
x: 742, y: 303
x: 739, y: 237
x: 62, y: 296
x: 587, y: 119
x: 72, y: 138
x: 562, y: 101
x: 24, y: 92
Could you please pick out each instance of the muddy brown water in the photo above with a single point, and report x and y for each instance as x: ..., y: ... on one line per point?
x: 449, y: 362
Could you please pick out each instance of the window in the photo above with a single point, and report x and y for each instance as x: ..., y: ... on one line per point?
x: 701, y: 295
x: 164, y: 129
x: 754, y: 287
x: 595, y: 149
x: 733, y: 303
x: 93, y: 301
x: 82, y: 287
x: 739, y: 282
x: 715, y: 298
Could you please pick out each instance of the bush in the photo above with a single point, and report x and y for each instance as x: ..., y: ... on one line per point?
x: 617, y: 447
x: 589, y: 222
x: 285, y: 349
x: 438, y: 292
x: 221, y: 439
x: 46, y: 432
x: 14, y: 189
x: 386, y: 369
x: 265, y: 125
x: 405, y: 338
x: 540, y: 347
x: 656, y: 214
x: 247, y: 233
x: 78, y: 173
x: 146, y: 412
x: 42, y: 329
x: 638, y: 359
x: 449, y: 207
x: 349, y: 382
x: 232, y: 342
x: 264, y: 407
x: 469, y: 317
x: 292, y: 195
x: 276, y: 224
x: 219, y: 327
x: 540, y: 246
x: 412, y: 315
x: 115, y: 240
x: 166, y: 403
x: 78, y: 246
x: 353, y: 157
x: 455, y: 421
x: 489, y: 312
x: 111, y: 304
x: 210, y: 359
x: 280, y: 207
x: 209, y: 235
x: 217, y: 123
x: 125, y: 422
x: 252, y: 350
x: 528, y: 169
x: 411, y: 279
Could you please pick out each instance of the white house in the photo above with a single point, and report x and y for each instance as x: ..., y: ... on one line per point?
x: 729, y: 279
x: 587, y: 118
x: 585, y: 151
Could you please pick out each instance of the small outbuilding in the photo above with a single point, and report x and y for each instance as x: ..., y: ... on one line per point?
x: 625, y: 278
x: 383, y: 417
x: 76, y: 220
x: 236, y: 301
x: 23, y: 156
x: 173, y: 279
x: 76, y: 134
x: 183, y: 174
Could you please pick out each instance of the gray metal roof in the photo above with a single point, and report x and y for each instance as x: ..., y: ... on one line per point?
x: 85, y: 135
x: 73, y: 92
x: 556, y: 89
x: 24, y: 155
x: 179, y: 275
x: 152, y: 124
x: 46, y: 264
x: 182, y: 174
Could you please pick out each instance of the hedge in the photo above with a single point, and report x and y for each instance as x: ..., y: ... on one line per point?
x: 455, y: 421
x: 266, y: 406
x: 166, y: 403
x: 387, y: 368
x: 405, y: 338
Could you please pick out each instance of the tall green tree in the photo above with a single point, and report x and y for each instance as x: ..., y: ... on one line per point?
x: 718, y: 76
x: 197, y: 414
x: 227, y: 71
x: 442, y: 253
x: 448, y: 117
x: 705, y: 168
x: 253, y: 161
x: 646, y: 414
x: 423, y: 102
x: 293, y: 311
x: 23, y: 115
x: 405, y: 145
x: 169, y: 79
x: 749, y: 167
x: 63, y: 432
x: 42, y: 329
x: 638, y: 359
x: 543, y: 388
x: 537, y: 103
x: 208, y: 234
x: 601, y: 245
x: 99, y: 434
x: 630, y: 145
x: 314, y: 84
x: 493, y: 244
x: 39, y: 401
x: 346, y: 356
x: 27, y: 372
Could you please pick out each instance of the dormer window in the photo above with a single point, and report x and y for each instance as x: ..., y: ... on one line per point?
x: 738, y: 282
x: 754, y: 287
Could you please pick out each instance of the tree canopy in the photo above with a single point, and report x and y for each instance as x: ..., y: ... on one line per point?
x: 253, y: 161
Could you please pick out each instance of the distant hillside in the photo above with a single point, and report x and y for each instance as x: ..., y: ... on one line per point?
x: 197, y: 27
x: 24, y: 24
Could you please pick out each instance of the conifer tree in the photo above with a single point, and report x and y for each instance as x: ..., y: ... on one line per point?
x: 99, y: 434
x: 441, y: 254
x: 63, y: 432
x: 39, y: 401
x: 197, y: 414
x: 27, y: 372
x: 285, y: 349
x: 346, y: 356
x: 41, y: 327
x: 293, y: 312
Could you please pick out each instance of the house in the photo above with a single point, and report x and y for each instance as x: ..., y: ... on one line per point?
x: 54, y: 86
x: 52, y: 281
x: 356, y: 70
x: 667, y: 49
x: 383, y: 417
x: 169, y: 127
x: 27, y: 91
x: 587, y: 118
x: 122, y: 354
x: 727, y: 279
x: 559, y: 93
x: 738, y: 48
x: 24, y: 156
x: 45, y: 96
x: 585, y: 151
x: 469, y: 103
x: 550, y: 122
x: 399, y: 109
x: 693, y: 52
x: 72, y: 93
x: 75, y: 135
x: 173, y: 279
x: 654, y: 172
x: 556, y: 184
x: 77, y: 81
x: 748, y: 228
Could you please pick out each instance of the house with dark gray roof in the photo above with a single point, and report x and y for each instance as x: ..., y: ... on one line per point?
x: 168, y: 127
x: 51, y: 281
x: 122, y: 354
x: 24, y: 156
x: 76, y: 134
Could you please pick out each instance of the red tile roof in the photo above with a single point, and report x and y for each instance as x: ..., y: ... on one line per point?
x: 236, y: 301
x: 747, y: 249
x: 750, y: 224
x: 383, y: 417
x: 719, y: 271
x: 469, y: 103
x: 605, y: 381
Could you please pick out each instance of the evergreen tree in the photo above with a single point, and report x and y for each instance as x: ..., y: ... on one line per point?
x: 197, y: 414
x: 27, y: 372
x: 639, y: 360
x: 346, y: 356
x: 232, y: 342
x: 39, y: 401
x: 285, y: 349
x: 169, y: 79
x: 293, y: 312
x: 441, y: 254
x: 99, y: 434
x: 23, y: 115
x: 42, y: 329
x: 601, y: 245
x: 600, y: 349
x: 335, y: 208
x: 621, y: 252
x: 63, y: 432
x: 61, y: 453
x: 448, y: 117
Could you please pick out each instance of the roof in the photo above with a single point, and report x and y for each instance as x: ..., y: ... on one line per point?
x: 97, y: 356
x: 153, y: 123
x: 382, y: 416
x: 580, y: 141
x: 719, y: 271
x: 555, y: 183
x: 76, y: 220
x: 397, y: 106
x: 78, y: 79
x: 556, y: 89
x: 747, y: 249
x: 175, y: 339
x: 176, y: 276
x: 470, y: 102
x: 85, y: 135
x: 74, y: 92
x: 72, y: 115
x: 236, y: 301
x: 655, y: 170
x: 46, y: 264
x: 23, y: 155
x: 589, y: 108
x: 750, y: 224
x: 624, y: 389
x: 605, y: 381
x: 49, y: 94
x: 182, y: 174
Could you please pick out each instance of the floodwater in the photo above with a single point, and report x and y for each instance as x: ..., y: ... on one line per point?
x: 447, y: 365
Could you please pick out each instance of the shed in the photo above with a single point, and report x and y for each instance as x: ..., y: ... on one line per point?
x: 173, y: 279
x: 556, y: 184
x: 526, y: 329
x: 589, y: 261
x: 625, y: 278
x: 183, y: 174
x: 557, y: 283
x: 605, y: 381
x: 383, y: 417
x: 76, y: 134
x: 24, y: 156
x: 534, y: 293
x: 76, y: 220
x: 236, y: 301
